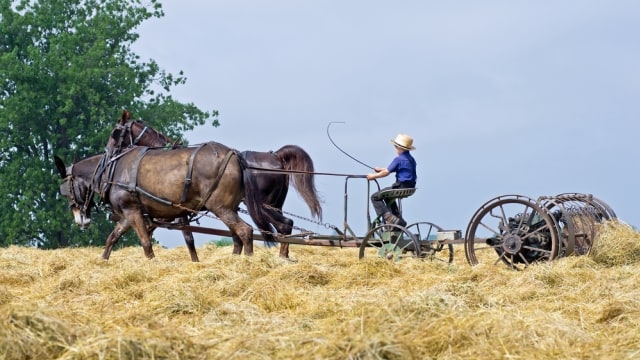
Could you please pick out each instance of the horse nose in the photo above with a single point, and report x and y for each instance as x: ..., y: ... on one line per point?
x: 80, y: 219
x: 85, y: 223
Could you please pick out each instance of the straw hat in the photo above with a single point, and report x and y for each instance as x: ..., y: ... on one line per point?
x: 403, y: 141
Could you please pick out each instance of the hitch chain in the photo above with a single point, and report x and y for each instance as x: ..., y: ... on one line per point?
x: 326, y: 225
x: 244, y: 211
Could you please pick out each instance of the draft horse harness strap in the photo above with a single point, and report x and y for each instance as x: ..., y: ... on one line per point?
x: 127, y: 132
x: 132, y: 185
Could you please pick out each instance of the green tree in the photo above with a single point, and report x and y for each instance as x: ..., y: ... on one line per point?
x: 66, y: 73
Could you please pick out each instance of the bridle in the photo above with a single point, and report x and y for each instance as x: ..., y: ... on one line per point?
x: 137, y: 139
x: 84, y: 207
x: 126, y: 133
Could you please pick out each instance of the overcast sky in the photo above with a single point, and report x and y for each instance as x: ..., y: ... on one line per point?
x: 501, y: 97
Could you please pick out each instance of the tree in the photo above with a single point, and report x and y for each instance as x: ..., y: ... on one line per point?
x: 66, y: 73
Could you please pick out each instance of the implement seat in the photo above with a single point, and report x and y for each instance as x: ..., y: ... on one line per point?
x: 397, y: 195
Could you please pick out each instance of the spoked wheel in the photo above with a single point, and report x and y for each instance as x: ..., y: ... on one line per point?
x: 425, y: 233
x: 511, y: 229
x: 580, y: 218
x: 391, y: 242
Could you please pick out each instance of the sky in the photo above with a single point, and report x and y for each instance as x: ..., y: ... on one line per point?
x: 533, y: 98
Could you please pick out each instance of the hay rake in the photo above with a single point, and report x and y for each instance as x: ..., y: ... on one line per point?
x: 511, y: 229
x: 514, y: 230
x: 517, y: 230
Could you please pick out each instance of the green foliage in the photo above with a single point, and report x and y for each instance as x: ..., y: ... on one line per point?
x: 66, y: 73
x: 222, y: 242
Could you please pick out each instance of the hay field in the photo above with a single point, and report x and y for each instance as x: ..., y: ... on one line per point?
x: 69, y: 304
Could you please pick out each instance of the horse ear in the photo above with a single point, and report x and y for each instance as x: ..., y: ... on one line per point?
x: 126, y: 115
x: 62, y: 169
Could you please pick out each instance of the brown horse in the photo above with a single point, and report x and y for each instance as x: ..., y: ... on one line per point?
x: 290, y: 164
x: 143, y: 184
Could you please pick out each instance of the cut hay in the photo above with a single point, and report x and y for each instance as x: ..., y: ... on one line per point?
x: 616, y: 244
x: 69, y: 304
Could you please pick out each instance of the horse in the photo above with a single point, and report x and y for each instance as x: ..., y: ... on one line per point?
x: 290, y: 164
x: 142, y: 184
x: 118, y: 137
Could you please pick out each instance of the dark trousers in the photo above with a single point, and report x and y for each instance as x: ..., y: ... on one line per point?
x: 382, y: 205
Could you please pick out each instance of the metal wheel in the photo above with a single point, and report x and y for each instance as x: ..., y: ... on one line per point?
x: 391, y: 242
x: 425, y: 232
x: 514, y: 230
x: 580, y: 217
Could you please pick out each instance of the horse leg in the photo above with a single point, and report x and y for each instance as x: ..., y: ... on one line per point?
x: 136, y: 221
x: 242, y: 232
x: 117, y: 232
x: 188, y: 239
x: 237, y: 244
x: 191, y: 245
x: 284, y: 226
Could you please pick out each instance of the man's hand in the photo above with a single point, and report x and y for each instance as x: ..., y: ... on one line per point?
x: 380, y: 173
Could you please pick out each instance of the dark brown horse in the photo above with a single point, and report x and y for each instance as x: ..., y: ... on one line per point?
x: 291, y: 164
x: 142, y: 184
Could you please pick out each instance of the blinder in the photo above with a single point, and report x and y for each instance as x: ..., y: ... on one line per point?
x: 122, y: 134
x: 74, y: 195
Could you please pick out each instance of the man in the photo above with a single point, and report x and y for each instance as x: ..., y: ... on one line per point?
x: 404, y: 166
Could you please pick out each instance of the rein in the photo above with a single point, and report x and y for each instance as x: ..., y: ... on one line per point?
x: 279, y: 171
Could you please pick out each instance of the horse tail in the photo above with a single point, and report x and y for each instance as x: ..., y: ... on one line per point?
x: 294, y: 158
x: 253, y: 200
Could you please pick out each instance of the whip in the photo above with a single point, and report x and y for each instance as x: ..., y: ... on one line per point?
x: 338, y: 147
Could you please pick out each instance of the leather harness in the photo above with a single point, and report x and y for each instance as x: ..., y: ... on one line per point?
x: 133, y: 187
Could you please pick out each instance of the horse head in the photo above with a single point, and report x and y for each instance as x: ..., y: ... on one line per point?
x: 129, y: 133
x: 78, y: 190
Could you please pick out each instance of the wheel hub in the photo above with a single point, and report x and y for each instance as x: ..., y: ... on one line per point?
x: 390, y: 252
x: 512, y: 244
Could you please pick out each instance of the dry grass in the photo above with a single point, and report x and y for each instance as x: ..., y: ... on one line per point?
x: 68, y: 304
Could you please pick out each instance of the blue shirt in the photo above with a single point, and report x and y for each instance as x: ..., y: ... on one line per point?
x: 404, y: 165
